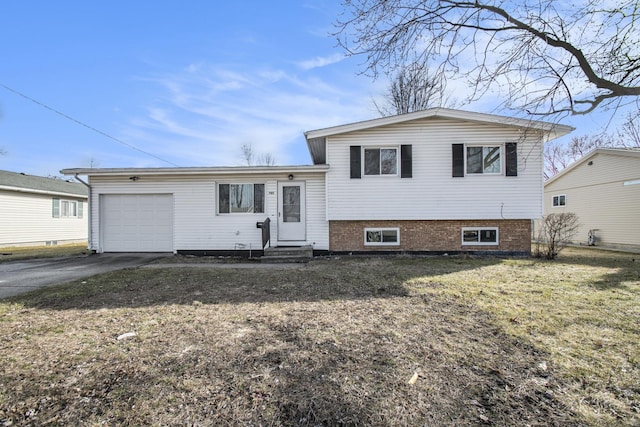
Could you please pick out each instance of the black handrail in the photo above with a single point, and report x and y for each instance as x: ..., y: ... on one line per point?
x: 266, y: 231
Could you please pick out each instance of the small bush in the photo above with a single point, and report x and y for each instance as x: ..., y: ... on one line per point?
x: 555, y: 232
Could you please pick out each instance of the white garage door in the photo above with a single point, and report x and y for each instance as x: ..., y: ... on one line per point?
x: 136, y: 222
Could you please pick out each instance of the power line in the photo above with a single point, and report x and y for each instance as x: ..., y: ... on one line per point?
x: 66, y: 116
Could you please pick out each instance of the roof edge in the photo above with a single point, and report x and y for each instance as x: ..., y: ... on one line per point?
x: 553, y: 128
x: 222, y: 170
x: 600, y: 150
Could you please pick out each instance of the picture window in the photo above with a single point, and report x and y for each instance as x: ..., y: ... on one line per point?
x: 240, y: 198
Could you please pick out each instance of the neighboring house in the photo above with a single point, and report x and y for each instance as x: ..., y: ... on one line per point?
x: 438, y: 180
x: 603, y: 190
x: 41, y: 211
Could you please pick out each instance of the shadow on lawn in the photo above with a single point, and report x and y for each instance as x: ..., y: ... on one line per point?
x: 278, y: 355
x: 344, y: 279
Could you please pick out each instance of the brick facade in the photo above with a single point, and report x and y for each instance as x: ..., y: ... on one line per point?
x: 514, y: 236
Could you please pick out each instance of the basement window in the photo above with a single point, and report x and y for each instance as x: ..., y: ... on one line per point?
x: 381, y: 236
x: 480, y: 236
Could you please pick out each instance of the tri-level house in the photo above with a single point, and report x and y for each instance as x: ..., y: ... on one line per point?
x: 435, y: 181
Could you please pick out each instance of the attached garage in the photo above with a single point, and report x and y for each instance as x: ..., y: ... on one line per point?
x: 136, y: 222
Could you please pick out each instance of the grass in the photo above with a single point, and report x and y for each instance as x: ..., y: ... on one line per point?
x: 30, y: 252
x: 348, y: 341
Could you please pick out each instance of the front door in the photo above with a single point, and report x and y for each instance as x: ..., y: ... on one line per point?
x: 291, y: 211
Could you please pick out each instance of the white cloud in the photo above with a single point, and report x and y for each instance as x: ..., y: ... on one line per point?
x: 321, y: 61
x: 205, y: 113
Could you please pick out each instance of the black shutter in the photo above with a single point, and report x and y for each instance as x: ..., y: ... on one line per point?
x: 511, y: 158
x: 406, y: 166
x: 457, y: 152
x: 355, y: 161
x: 223, y: 198
x: 258, y: 198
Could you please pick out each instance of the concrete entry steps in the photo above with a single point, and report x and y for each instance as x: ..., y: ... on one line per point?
x: 284, y: 254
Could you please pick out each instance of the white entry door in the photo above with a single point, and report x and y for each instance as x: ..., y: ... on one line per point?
x: 291, y: 211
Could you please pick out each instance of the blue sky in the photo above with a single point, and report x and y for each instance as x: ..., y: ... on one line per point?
x: 189, y: 82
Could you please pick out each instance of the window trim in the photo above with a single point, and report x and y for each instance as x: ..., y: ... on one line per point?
x: 501, y: 159
x: 396, y: 148
x: 558, y: 196
x: 382, y: 229
x: 479, y: 230
x: 253, y: 211
x: 67, y: 208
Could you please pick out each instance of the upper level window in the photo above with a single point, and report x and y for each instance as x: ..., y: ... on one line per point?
x: 241, y: 198
x: 483, y: 160
x: 559, y: 200
x: 380, y: 161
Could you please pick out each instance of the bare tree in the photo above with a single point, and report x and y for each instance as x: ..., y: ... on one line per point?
x: 629, y: 133
x: 266, y: 159
x: 556, y: 231
x: 413, y: 88
x: 247, y: 153
x: 557, y: 156
x: 552, y: 58
x: 263, y: 159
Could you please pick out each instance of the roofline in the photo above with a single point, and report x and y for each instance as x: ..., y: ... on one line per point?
x: 45, y: 192
x: 589, y: 155
x: 553, y: 128
x: 223, y: 170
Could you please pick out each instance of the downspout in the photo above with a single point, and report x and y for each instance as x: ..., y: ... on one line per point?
x: 89, y: 219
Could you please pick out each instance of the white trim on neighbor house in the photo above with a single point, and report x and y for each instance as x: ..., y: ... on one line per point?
x: 45, y: 192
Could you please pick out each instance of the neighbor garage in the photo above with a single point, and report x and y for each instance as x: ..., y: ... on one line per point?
x: 136, y: 222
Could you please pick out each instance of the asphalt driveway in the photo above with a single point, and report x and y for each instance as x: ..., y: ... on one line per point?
x: 17, y: 277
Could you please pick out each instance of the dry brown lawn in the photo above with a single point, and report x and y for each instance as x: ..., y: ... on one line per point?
x: 392, y: 341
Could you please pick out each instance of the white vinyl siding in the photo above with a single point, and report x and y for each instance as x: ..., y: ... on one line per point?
x: 197, y: 224
x: 432, y: 193
x: 27, y: 218
x: 597, y: 194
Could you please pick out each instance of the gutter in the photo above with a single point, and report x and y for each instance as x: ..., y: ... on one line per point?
x: 89, y: 216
